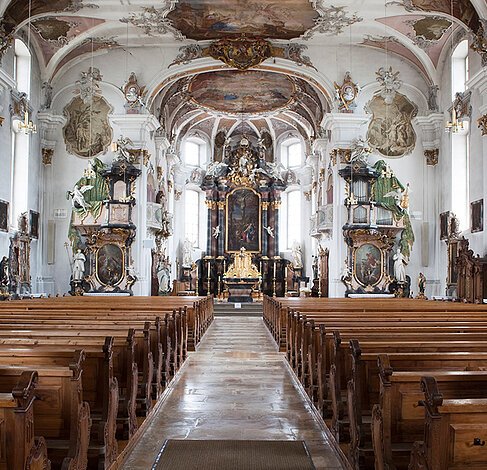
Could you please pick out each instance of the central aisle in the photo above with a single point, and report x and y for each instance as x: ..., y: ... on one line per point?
x: 236, y: 386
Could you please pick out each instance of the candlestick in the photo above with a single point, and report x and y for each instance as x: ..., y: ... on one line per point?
x: 285, y: 280
x: 197, y: 280
x: 209, y: 283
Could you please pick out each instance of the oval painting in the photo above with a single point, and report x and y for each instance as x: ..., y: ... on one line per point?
x: 110, y: 264
x: 368, y: 264
x: 237, y: 92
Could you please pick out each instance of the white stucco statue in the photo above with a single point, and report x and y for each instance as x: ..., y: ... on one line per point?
x: 187, y: 253
x: 79, y: 266
x: 78, y: 198
x: 399, y: 266
x: 297, y: 255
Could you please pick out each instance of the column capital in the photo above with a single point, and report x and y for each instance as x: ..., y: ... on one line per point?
x: 345, y: 127
x: 432, y: 128
x: 137, y: 127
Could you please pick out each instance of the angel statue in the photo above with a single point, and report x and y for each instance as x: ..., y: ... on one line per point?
x: 401, y: 197
x: 270, y: 231
x: 216, y: 231
x: 78, y: 198
x: 360, y: 151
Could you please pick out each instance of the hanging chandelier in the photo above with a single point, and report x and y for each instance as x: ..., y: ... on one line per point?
x: 455, y: 125
x: 27, y: 126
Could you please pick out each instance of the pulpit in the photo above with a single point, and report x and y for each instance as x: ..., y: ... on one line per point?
x: 241, y: 278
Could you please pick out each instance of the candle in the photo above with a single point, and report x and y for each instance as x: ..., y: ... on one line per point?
x: 209, y: 269
x: 274, y: 269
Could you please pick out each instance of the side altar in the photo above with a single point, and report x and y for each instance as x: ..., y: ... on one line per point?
x: 241, y: 278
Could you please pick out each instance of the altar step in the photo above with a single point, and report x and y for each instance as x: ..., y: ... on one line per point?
x: 246, y: 310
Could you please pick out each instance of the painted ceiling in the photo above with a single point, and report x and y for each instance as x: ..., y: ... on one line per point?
x: 213, y: 19
x: 417, y: 30
x: 235, y: 92
x: 255, y: 103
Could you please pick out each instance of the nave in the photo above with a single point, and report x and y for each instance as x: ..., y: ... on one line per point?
x: 235, y: 386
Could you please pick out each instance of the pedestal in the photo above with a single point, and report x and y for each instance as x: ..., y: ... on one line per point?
x: 240, y: 290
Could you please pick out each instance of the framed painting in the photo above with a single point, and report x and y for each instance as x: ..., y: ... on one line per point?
x: 3, y: 216
x: 110, y: 264
x: 34, y: 224
x: 444, y: 225
x: 368, y: 264
x: 243, y: 221
x: 452, y: 263
x: 477, y: 216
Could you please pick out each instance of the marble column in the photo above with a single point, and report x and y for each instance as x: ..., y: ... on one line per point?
x: 265, y: 223
x: 50, y: 130
x: 221, y: 223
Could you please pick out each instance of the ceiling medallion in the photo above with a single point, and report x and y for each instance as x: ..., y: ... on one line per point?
x: 241, y: 53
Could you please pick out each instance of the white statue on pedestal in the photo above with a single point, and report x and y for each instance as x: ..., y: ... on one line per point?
x: 399, y: 266
x: 187, y: 253
x: 78, y: 266
x: 297, y: 255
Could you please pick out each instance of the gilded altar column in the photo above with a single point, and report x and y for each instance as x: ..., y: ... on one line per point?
x: 265, y: 223
x: 276, y: 205
x: 210, y: 204
x: 221, y: 224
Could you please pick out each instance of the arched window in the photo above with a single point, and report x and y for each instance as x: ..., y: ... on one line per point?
x: 192, y: 216
x: 290, y: 219
x: 459, y: 68
x: 20, y: 140
x: 460, y: 141
x: 292, y: 153
x: 194, y: 153
x: 329, y: 190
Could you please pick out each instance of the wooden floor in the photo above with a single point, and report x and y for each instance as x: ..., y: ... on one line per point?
x: 236, y: 386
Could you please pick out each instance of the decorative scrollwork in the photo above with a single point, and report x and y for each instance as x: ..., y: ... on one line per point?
x: 241, y: 53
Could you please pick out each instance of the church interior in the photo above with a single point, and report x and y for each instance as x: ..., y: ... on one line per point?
x: 243, y: 234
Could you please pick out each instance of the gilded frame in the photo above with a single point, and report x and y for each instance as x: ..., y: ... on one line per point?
x: 122, y: 267
x: 227, y: 225
x: 4, y: 215
x: 477, y: 216
x: 381, y: 265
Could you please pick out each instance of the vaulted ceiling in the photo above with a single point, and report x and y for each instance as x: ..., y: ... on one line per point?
x: 416, y: 30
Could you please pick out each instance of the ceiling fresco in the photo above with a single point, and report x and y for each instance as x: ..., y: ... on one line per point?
x: 429, y: 33
x: 52, y: 34
x: 419, y: 29
x: 214, y: 19
x: 249, y: 92
x: 212, y: 102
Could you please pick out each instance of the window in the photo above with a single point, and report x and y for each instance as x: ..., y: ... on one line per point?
x: 195, y: 152
x: 460, y: 141
x: 292, y: 153
x: 459, y: 68
x: 191, y: 216
x: 20, y: 141
x: 290, y: 219
x: 22, y: 61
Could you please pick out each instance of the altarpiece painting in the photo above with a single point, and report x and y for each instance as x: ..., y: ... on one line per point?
x: 243, y: 229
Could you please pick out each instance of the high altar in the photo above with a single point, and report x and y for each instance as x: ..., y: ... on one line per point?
x: 241, y: 278
x: 243, y: 187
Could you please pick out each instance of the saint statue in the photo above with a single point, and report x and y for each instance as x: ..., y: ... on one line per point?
x: 421, y: 284
x: 399, y: 266
x: 187, y: 253
x: 4, y: 271
x: 78, y: 266
x: 297, y: 255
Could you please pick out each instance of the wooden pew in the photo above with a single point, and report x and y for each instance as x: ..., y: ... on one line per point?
x: 60, y: 414
x: 19, y: 448
x: 455, y: 431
